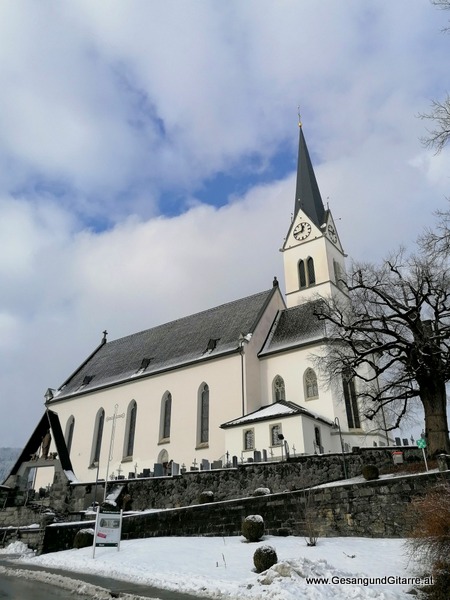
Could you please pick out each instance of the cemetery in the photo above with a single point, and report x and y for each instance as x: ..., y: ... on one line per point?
x: 213, y: 499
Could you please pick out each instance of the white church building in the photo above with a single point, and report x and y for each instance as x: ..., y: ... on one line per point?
x: 238, y: 379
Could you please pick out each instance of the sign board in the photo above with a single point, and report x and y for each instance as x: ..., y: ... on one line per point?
x: 421, y: 443
x: 108, y: 529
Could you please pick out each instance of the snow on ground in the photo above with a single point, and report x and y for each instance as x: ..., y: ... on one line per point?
x: 222, y: 567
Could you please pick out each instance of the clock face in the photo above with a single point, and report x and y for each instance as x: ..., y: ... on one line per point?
x: 332, y: 233
x: 302, y: 230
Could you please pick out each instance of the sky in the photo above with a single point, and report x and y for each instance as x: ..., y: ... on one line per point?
x: 222, y: 567
x: 148, y: 154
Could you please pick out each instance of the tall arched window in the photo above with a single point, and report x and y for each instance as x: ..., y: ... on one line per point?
x: 98, y: 435
x: 310, y: 384
x: 130, y: 429
x: 166, y: 414
x: 306, y: 273
x: 203, y: 415
x: 351, y: 401
x: 310, y: 271
x: 279, y: 390
x: 69, y: 432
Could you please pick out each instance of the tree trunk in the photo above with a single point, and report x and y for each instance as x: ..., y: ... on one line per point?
x: 434, y: 401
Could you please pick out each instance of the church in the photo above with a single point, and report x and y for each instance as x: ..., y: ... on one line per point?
x: 238, y: 380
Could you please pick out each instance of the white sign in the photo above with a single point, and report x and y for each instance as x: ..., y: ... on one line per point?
x: 108, y: 529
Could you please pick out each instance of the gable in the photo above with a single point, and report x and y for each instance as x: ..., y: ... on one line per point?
x: 293, y: 327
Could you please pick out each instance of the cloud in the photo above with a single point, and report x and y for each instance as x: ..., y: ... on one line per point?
x: 113, y: 121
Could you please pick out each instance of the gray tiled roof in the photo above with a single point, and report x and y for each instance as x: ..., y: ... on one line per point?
x: 293, y: 327
x: 173, y: 344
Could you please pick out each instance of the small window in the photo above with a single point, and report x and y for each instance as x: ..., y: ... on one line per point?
x: 275, y: 433
x: 279, y: 390
x: 249, y: 439
x: 310, y: 384
x: 318, y: 448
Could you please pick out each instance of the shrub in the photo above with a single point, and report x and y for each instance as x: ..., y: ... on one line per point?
x: 370, y: 472
x: 253, y: 528
x: 206, y: 497
x: 430, y: 538
x: 83, y: 538
x: 264, y: 558
x: 261, y: 491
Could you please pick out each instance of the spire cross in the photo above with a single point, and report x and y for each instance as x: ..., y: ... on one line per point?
x: 299, y: 116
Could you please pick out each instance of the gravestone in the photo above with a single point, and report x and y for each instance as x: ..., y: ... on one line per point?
x: 216, y: 464
x: 398, y: 441
x: 264, y: 455
x: 405, y: 442
x: 235, y: 461
x: 131, y: 475
x: 146, y: 472
x: 205, y: 465
x: 257, y: 456
x: 175, y: 468
x: 158, y: 470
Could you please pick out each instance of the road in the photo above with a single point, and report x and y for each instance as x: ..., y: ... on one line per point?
x: 20, y: 588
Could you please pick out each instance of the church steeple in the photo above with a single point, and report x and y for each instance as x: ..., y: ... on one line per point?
x: 307, y: 194
x: 314, y: 260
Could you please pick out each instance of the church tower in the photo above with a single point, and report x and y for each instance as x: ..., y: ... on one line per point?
x: 314, y: 260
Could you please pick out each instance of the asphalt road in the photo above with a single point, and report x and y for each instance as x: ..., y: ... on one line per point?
x: 15, y: 588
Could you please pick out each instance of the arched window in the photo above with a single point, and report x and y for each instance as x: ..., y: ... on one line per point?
x: 97, y: 438
x: 279, y: 391
x: 249, y: 439
x: 306, y: 273
x: 203, y: 415
x: 310, y: 384
x: 310, y: 271
x: 351, y: 401
x: 166, y: 413
x: 317, y: 441
x: 69, y: 432
x: 130, y: 429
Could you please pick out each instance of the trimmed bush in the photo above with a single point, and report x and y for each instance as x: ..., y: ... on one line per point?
x: 83, y: 538
x: 206, y: 497
x: 370, y: 472
x: 261, y: 492
x: 264, y: 558
x: 253, y: 528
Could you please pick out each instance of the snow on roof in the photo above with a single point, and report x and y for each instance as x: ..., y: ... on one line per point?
x: 281, y: 408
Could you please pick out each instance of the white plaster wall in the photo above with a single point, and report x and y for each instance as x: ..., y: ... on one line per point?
x: 223, y: 377
x: 253, y: 390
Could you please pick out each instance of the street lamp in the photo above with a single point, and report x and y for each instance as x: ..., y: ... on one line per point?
x: 338, y: 425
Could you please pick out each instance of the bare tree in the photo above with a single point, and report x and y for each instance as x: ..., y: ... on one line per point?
x: 392, y: 338
x: 439, y: 134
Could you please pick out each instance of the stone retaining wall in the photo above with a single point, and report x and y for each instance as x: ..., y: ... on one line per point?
x: 370, y: 509
x: 240, y: 482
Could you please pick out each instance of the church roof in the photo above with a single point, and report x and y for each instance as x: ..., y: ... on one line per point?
x: 208, y: 334
x: 293, y: 327
x: 279, y: 409
x: 307, y: 194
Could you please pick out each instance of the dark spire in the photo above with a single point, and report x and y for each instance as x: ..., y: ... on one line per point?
x: 307, y: 194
